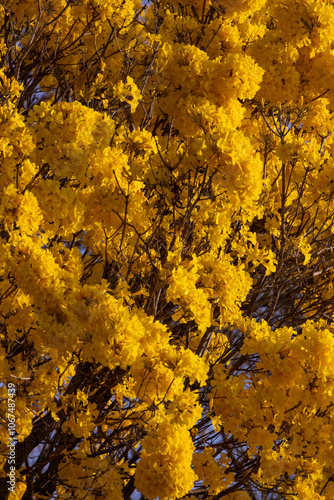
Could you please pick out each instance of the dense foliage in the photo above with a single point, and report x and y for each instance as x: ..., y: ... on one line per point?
x: 166, y: 250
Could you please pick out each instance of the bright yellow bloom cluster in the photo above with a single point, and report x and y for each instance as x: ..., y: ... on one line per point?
x: 164, y: 469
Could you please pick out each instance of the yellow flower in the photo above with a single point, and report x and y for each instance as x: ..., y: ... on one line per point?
x: 164, y: 469
x: 128, y: 92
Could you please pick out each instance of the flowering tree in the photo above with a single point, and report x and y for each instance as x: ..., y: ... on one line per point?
x: 166, y: 249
